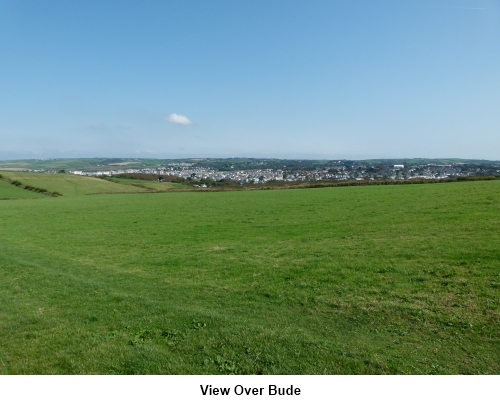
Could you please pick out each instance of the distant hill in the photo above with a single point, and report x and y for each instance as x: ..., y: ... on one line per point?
x: 96, y: 164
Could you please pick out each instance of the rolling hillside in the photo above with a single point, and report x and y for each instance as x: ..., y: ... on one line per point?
x: 71, y: 185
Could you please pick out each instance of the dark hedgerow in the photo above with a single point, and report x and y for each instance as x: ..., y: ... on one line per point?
x: 40, y: 190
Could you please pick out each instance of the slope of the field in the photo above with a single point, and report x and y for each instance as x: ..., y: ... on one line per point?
x: 387, y: 279
x: 71, y: 185
x: 157, y: 185
x: 8, y: 190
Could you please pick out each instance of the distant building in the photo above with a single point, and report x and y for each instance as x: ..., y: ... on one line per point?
x: 399, y: 166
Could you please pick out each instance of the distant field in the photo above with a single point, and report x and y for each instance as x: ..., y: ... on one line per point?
x: 157, y: 185
x: 90, y: 164
x: 8, y: 190
x: 125, y: 163
x: 13, y: 168
x: 353, y: 280
x: 69, y: 184
x: 70, y: 164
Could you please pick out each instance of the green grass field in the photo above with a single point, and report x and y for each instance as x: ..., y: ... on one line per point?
x: 157, y: 185
x: 71, y: 185
x: 352, y: 280
x: 8, y: 190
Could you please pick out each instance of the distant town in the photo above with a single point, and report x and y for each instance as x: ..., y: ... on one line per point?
x: 202, y: 173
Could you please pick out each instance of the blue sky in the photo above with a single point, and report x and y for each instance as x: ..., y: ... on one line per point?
x: 289, y: 79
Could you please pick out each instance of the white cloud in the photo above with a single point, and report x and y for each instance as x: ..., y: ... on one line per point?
x: 179, y: 119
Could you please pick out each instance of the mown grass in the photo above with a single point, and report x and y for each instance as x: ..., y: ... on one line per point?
x: 383, y: 280
x: 69, y: 184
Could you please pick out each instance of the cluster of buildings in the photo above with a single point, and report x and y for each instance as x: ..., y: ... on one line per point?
x: 335, y: 173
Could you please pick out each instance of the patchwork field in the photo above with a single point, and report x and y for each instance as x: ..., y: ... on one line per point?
x: 383, y: 279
